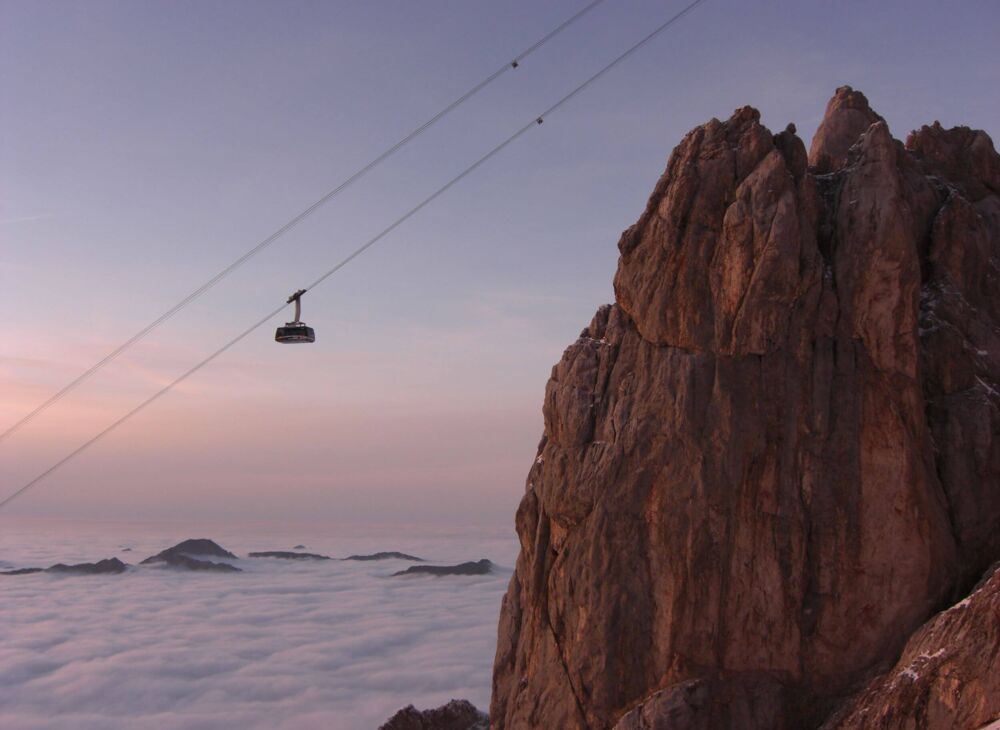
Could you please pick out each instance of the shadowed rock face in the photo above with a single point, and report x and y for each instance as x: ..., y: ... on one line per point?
x: 385, y: 556
x: 479, y: 567
x: 778, y: 453
x: 288, y: 556
x: 948, y: 676
x: 707, y: 704
x: 456, y: 715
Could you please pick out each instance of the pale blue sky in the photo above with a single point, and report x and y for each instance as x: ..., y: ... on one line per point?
x: 143, y: 146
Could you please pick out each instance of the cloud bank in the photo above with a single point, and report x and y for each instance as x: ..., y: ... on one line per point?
x: 285, y: 644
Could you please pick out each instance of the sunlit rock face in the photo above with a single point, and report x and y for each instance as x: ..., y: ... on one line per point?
x: 778, y: 453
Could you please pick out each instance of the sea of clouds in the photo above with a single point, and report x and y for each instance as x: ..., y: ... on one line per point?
x: 338, y: 645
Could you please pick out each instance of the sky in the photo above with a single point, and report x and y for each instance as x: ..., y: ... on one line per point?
x: 144, y: 146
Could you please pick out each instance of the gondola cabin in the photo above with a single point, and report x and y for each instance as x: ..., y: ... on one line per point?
x: 296, y: 332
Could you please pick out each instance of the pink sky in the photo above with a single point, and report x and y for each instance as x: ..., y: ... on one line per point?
x: 145, y: 146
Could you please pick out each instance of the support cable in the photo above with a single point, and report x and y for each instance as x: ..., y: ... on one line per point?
x: 361, y: 249
x: 107, y: 359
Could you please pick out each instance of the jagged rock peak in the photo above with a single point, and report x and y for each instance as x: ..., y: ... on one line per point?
x: 962, y: 155
x: 726, y: 243
x: 777, y: 454
x: 847, y: 116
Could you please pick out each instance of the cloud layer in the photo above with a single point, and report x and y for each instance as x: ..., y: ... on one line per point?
x: 286, y: 644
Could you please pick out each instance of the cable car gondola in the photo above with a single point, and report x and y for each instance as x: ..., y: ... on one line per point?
x: 295, y: 332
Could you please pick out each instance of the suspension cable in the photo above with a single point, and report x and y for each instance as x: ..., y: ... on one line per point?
x: 361, y: 249
x: 353, y: 178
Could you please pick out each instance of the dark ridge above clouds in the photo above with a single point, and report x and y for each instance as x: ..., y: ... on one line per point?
x: 478, y: 567
x: 108, y: 565
x: 180, y: 556
x: 198, y: 546
x: 286, y: 555
x: 385, y: 556
x: 180, y: 560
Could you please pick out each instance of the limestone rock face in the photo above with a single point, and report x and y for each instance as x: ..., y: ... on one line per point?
x: 778, y: 453
x: 948, y: 676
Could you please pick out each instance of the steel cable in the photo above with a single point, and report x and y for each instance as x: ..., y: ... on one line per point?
x: 93, y: 369
x: 361, y: 249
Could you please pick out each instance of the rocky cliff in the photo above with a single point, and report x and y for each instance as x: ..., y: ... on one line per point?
x: 778, y: 453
